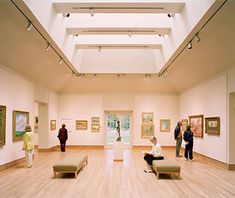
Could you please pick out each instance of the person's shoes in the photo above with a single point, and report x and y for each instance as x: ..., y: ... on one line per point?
x: 148, y: 171
x: 191, y: 160
x: 178, y: 155
x: 186, y: 159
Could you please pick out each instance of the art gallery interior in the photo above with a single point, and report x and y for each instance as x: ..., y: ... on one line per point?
x: 86, y: 64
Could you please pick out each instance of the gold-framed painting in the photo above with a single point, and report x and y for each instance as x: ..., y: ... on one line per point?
x: 147, y: 117
x: 184, y: 124
x: 81, y: 124
x: 147, y: 131
x: 212, y: 125
x: 95, y: 124
x: 36, y: 122
x: 53, y: 125
x: 165, y: 125
x: 196, y: 122
x: 19, y: 120
x: 2, y: 125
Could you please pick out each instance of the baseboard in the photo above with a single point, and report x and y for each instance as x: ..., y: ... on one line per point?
x: 11, y: 164
x: 231, y: 166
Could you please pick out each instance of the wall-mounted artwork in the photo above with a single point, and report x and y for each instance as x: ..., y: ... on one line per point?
x: 165, y: 125
x: 19, y: 120
x: 147, y: 130
x: 213, y: 125
x: 196, y: 123
x: 147, y: 117
x: 81, y: 124
x: 36, y: 122
x: 53, y: 125
x: 2, y: 125
x: 95, y: 124
x: 184, y: 124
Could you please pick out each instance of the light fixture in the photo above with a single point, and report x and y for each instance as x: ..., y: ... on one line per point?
x: 190, y: 45
x: 95, y: 76
x: 66, y: 15
x: 123, y: 76
x: 196, y: 38
x: 170, y: 15
x: 61, y: 60
x: 147, y: 76
x: 76, y: 35
x: 48, y: 46
x: 129, y: 34
x: 30, y: 26
x: 99, y: 49
x: 92, y: 12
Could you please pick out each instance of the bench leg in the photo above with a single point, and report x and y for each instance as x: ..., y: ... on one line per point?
x: 178, y: 174
x: 76, y: 175
x: 157, y: 175
x: 54, y: 174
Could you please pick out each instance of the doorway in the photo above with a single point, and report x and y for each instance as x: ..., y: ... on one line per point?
x: 124, y: 118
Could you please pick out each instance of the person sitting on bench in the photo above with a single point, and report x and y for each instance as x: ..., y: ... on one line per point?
x: 154, y: 154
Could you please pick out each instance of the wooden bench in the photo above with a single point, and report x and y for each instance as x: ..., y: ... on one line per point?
x: 166, y: 166
x: 70, y: 164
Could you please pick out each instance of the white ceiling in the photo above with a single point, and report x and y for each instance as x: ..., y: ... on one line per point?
x: 24, y: 52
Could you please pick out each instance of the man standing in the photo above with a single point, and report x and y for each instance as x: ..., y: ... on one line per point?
x: 63, y: 136
x: 178, y: 138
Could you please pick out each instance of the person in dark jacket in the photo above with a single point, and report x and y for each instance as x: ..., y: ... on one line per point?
x: 178, y: 138
x: 63, y: 136
x: 188, y: 138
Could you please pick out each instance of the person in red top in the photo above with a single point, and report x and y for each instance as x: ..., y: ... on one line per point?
x: 63, y: 136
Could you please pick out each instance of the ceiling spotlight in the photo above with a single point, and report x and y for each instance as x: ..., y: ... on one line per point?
x: 92, y: 12
x: 76, y: 35
x: 147, y: 76
x: 170, y: 15
x: 123, y: 76
x: 190, y: 45
x: 48, y: 46
x: 95, y: 76
x: 129, y: 34
x: 66, y: 15
x: 196, y: 38
x: 99, y: 49
x: 61, y: 60
x: 30, y: 26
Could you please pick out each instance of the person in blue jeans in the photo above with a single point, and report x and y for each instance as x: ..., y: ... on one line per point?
x: 188, y: 138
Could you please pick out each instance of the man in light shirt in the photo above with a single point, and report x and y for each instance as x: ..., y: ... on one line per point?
x: 154, y: 154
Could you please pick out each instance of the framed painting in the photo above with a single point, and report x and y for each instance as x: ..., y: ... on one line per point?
x: 165, y: 125
x: 19, y: 120
x: 53, y: 125
x: 213, y: 125
x: 196, y: 123
x: 2, y: 125
x: 147, y: 117
x: 184, y: 124
x: 81, y: 124
x: 147, y: 131
x: 95, y: 124
x: 36, y: 122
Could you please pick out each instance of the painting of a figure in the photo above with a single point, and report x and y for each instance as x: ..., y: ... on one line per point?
x: 19, y: 121
x: 196, y: 123
x: 2, y: 125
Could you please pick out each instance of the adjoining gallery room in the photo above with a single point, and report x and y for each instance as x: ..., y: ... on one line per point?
x: 117, y: 98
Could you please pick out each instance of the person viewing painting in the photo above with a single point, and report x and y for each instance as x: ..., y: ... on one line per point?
x: 63, y: 136
x: 178, y: 138
x: 188, y: 138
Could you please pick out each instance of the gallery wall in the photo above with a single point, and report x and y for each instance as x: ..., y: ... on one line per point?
x: 16, y: 93
x: 210, y: 99
x: 84, y: 106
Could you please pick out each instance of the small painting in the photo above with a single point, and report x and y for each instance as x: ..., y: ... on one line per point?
x: 19, y: 120
x: 196, y: 123
x: 53, y: 125
x: 147, y: 117
x: 95, y: 124
x: 213, y: 125
x: 147, y: 131
x: 81, y: 124
x: 184, y: 124
x: 2, y: 125
x: 165, y: 125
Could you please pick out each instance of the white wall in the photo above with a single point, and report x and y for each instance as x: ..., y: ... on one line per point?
x: 75, y: 107
x: 210, y: 99
x: 16, y: 93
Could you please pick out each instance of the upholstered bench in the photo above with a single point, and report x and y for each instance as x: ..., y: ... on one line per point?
x: 166, y: 166
x: 70, y: 164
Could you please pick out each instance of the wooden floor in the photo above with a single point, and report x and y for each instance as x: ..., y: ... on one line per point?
x: 103, y: 178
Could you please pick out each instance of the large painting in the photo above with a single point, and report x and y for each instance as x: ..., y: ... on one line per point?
x: 147, y: 117
x: 165, y: 125
x: 213, y: 125
x: 81, y: 124
x: 95, y: 124
x: 196, y: 123
x: 2, y: 125
x: 147, y: 130
x: 19, y: 120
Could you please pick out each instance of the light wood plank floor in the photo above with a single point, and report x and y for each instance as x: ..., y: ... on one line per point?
x: 103, y: 178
